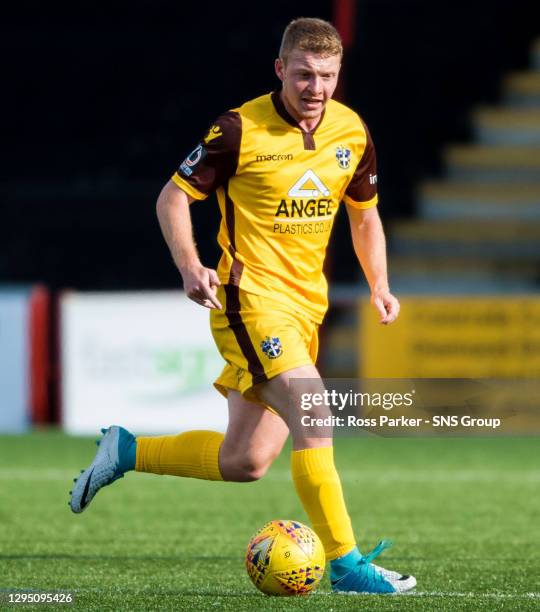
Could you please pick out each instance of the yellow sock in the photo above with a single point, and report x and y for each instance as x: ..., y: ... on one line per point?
x: 193, y: 454
x: 318, y: 486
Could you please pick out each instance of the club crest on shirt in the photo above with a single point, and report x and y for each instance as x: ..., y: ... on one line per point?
x: 343, y: 156
x: 271, y: 347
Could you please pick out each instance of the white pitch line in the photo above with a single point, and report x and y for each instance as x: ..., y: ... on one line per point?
x: 469, y: 594
x: 474, y: 595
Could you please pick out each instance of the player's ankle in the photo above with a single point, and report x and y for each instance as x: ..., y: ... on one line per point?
x: 127, y: 452
x: 344, y: 564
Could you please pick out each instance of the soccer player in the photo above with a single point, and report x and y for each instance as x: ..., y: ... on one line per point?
x: 280, y: 165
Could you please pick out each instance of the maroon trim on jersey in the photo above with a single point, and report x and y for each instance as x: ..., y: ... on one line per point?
x: 237, y: 267
x: 282, y: 111
x: 255, y: 367
x: 232, y: 299
x: 229, y: 219
x: 309, y: 141
x: 215, y: 161
x: 360, y: 189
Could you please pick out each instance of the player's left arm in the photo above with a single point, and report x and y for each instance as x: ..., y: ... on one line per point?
x: 370, y: 248
x: 367, y: 231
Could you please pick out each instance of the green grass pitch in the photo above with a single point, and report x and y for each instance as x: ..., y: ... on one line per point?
x: 463, y: 514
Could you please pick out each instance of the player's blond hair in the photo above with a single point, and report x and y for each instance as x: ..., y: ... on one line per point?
x: 310, y: 34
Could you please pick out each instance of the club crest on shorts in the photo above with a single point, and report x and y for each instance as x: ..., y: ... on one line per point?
x: 271, y: 347
x: 343, y: 156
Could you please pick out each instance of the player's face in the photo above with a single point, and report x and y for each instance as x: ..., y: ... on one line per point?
x: 309, y: 81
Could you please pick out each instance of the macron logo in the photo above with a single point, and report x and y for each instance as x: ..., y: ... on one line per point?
x: 309, y: 185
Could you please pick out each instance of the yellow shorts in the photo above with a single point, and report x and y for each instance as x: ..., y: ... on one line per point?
x: 259, y: 338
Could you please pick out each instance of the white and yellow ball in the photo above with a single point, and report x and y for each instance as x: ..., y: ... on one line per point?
x: 285, y: 558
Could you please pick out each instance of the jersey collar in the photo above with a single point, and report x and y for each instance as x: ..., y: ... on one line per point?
x: 309, y: 142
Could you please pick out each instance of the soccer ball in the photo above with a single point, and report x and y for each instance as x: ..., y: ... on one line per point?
x: 285, y: 558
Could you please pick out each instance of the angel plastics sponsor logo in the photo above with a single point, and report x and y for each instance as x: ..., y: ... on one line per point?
x: 308, y: 198
x: 308, y: 208
x: 301, y: 209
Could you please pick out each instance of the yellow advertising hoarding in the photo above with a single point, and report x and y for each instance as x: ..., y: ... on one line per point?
x: 440, y: 337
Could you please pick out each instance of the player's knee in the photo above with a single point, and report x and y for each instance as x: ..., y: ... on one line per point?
x: 253, y: 470
x: 245, y: 467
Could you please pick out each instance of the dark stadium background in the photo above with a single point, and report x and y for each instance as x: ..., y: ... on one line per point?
x: 101, y: 101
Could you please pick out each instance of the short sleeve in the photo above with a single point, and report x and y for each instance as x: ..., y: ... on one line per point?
x: 362, y: 189
x: 214, y: 160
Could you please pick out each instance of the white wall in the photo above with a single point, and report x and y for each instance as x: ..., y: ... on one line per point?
x: 14, y: 361
x: 143, y: 360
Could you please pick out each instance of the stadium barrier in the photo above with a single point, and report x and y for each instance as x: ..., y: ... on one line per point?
x: 24, y: 357
x: 453, y: 337
x: 145, y: 360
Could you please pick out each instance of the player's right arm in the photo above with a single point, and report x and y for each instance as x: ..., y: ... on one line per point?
x: 200, y: 283
x: 209, y: 165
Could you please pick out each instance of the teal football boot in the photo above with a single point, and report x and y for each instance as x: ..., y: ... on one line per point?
x: 354, y: 573
x: 114, y: 457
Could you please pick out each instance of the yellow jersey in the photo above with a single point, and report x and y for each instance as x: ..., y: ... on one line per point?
x: 279, y: 188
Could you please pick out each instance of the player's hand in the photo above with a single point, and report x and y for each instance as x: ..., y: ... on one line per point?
x: 200, y: 285
x: 386, y: 304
